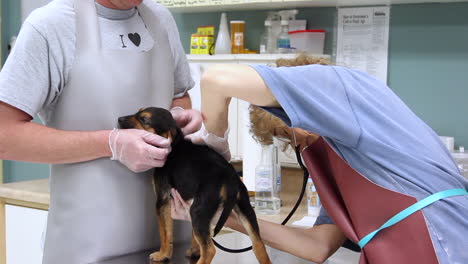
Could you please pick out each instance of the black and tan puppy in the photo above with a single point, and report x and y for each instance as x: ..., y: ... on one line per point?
x: 201, y: 176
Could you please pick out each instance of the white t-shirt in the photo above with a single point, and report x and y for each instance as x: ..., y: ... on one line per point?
x: 38, y: 67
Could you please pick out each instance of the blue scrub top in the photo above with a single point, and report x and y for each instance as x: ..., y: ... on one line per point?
x: 373, y: 130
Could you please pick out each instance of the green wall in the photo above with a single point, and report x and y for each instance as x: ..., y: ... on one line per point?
x: 428, y: 61
x: 11, y: 22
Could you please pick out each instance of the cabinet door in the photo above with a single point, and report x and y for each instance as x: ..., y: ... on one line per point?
x: 24, y: 230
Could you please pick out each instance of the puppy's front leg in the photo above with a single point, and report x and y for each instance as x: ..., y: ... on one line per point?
x: 163, y: 209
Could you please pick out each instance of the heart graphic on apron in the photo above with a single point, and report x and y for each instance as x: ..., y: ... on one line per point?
x: 135, y: 38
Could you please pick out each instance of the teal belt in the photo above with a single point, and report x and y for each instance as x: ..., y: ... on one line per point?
x: 412, y: 209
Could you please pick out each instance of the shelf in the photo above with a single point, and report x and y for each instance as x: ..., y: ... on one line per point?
x: 245, y: 57
x: 190, y: 6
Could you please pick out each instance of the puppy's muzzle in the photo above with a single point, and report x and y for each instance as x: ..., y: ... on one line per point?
x: 126, y: 122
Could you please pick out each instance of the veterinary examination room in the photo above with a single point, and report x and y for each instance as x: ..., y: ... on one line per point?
x: 233, y: 131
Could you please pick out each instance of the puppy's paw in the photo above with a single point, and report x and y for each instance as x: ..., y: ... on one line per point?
x: 159, y: 257
x: 193, y: 253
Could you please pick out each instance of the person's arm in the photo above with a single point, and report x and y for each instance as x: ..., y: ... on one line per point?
x: 315, y: 244
x: 184, y: 101
x: 23, y: 140
x: 222, y: 82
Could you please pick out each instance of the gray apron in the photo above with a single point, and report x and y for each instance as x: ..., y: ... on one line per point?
x: 99, y: 209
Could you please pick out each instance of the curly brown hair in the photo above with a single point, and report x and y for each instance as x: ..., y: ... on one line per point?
x: 263, y: 125
x: 302, y: 59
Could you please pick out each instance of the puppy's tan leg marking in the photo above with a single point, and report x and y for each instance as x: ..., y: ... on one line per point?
x: 223, y: 193
x: 207, y: 249
x: 194, y: 250
x: 257, y: 243
x: 165, y: 234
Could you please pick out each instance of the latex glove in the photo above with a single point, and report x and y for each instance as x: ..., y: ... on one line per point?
x: 138, y: 149
x: 220, y: 145
x: 180, y: 209
x: 189, y: 120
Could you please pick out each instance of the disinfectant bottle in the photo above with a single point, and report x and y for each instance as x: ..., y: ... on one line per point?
x: 267, y: 200
x: 283, y: 41
x: 223, y: 41
x: 284, y: 44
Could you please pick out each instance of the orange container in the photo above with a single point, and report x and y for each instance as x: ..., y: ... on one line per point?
x: 237, y: 36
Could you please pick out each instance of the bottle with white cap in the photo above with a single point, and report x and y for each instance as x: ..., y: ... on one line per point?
x: 268, y: 41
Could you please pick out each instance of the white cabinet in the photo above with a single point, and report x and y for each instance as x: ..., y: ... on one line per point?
x: 243, y: 146
x: 24, y: 231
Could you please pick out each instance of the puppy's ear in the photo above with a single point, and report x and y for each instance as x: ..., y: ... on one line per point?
x: 172, y: 134
x: 141, y: 109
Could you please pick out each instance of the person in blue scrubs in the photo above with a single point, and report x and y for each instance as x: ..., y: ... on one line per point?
x: 367, y: 124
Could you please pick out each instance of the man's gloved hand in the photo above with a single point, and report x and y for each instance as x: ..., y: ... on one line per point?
x: 189, y: 120
x: 220, y: 145
x: 137, y: 149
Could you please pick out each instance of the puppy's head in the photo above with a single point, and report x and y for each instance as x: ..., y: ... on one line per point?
x: 152, y: 119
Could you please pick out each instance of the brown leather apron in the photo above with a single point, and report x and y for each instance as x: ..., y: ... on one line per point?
x: 358, y: 207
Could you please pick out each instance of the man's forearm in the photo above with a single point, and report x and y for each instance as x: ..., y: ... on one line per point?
x: 31, y: 142
x: 185, y: 102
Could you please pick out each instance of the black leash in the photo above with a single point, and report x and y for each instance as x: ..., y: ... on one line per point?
x: 285, y: 221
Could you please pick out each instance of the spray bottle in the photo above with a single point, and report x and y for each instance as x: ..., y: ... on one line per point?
x: 284, y: 44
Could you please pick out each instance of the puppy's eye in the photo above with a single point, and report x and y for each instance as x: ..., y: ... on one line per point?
x: 144, y: 120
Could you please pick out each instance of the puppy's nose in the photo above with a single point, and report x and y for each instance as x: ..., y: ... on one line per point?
x: 121, y: 119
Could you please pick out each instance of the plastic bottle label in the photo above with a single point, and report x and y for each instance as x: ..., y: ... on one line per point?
x: 238, y: 39
x: 263, y: 182
x: 284, y: 43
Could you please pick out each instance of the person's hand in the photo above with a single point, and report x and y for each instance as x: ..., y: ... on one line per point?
x: 219, y: 144
x: 137, y: 149
x: 189, y: 120
x: 180, y: 209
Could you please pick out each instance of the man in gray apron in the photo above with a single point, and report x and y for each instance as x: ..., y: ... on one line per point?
x: 99, y: 208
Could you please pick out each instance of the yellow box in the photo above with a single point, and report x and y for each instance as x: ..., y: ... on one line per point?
x: 194, y: 44
x: 205, y: 44
x: 205, y: 30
